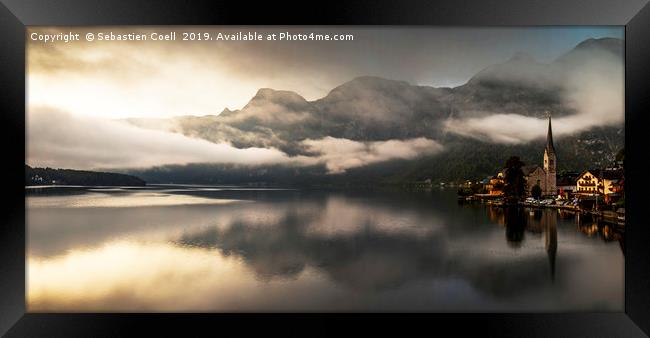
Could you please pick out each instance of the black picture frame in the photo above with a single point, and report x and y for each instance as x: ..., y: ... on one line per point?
x: 15, y: 15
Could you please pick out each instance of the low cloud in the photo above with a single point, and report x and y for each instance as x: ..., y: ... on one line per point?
x: 517, y: 129
x: 593, y: 89
x: 60, y: 139
x: 339, y: 154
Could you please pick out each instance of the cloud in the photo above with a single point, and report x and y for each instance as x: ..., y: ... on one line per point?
x: 60, y: 139
x: 594, y: 89
x: 498, y: 128
x: 199, y: 77
x: 340, y: 154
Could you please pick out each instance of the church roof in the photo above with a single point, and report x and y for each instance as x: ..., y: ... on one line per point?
x: 549, y: 138
x: 528, y: 169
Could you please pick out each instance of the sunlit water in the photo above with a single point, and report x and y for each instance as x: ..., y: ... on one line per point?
x: 227, y: 249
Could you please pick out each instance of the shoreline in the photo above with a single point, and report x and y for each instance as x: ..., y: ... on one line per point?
x: 607, y: 216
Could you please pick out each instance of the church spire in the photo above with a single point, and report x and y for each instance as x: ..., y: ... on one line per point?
x: 549, y: 137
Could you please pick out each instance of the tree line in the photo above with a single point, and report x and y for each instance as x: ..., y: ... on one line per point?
x: 50, y: 176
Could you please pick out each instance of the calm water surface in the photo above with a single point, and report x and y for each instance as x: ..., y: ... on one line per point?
x: 189, y: 248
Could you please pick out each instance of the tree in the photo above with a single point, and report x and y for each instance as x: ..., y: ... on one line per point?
x: 536, y: 191
x: 464, y: 191
x: 515, y: 184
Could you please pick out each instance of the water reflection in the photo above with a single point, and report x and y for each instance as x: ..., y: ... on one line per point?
x: 517, y: 221
x: 319, y: 251
x: 367, y: 260
x: 536, y: 221
x: 608, y: 232
x: 551, y: 244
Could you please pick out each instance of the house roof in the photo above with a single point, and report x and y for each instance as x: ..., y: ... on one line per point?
x: 614, y: 174
x: 593, y: 172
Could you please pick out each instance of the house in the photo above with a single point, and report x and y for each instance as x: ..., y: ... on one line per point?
x: 612, y: 181
x: 607, y: 183
x: 495, y: 185
x: 588, y: 182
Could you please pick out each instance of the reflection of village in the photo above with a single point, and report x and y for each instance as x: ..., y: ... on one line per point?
x: 596, y: 193
x: 517, y: 221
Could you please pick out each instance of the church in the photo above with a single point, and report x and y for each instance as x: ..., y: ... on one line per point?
x: 544, y: 176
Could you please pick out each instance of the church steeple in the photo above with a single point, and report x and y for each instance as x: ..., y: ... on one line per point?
x: 550, y: 163
x: 549, y: 137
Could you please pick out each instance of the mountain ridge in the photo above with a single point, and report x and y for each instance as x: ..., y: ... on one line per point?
x: 371, y: 108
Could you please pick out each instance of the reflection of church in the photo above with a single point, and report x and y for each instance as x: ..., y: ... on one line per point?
x: 550, y: 239
x: 544, y: 176
x: 517, y: 221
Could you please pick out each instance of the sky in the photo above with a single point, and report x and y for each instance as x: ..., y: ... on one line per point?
x: 78, y: 90
x: 117, y: 79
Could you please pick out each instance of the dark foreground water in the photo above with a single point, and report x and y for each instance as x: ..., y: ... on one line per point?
x: 180, y: 248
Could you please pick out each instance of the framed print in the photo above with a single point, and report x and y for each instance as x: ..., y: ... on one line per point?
x: 247, y: 167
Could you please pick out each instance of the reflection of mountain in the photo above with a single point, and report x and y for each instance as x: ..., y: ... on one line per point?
x: 371, y: 257
x: 367, y: 260
x: 376, y: 109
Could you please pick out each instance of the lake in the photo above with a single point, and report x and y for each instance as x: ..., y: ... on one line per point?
x: 230, y: 249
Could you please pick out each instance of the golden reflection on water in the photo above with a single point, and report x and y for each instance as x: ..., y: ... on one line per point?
x: 139, y: 199
x: 129, y: 276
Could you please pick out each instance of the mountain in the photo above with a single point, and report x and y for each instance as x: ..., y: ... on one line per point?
x: 370, y: 108
x: 610, y: 47
x: 49, y: 176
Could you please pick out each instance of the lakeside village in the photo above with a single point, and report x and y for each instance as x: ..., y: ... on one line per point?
x: 596, y: 192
